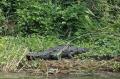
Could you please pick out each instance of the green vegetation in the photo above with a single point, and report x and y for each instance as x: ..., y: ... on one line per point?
x: 41, y: 24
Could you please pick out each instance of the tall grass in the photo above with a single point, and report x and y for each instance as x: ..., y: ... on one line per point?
x: 14, y: 49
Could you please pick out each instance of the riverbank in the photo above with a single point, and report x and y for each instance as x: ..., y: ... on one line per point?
x: 68, y: 66
x: 14, y: 49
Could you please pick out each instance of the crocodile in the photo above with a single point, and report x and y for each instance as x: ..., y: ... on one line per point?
x: 56, y: 53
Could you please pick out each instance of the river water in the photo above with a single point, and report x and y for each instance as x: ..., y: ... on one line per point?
x: 100, y: 75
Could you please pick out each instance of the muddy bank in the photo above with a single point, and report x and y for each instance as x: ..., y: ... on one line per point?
x: 67, y: 66
x: 63, y: 66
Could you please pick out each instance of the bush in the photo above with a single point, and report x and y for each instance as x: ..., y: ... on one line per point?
x: 73, y: 20
x: 52, y: 19
x: 2, y: 19
x: 35, y: 18
x: 59, y: 17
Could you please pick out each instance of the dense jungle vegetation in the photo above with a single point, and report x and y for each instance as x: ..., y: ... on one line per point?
x: 40, y: 24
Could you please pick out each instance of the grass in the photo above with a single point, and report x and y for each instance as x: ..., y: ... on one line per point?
x: 13, y: 50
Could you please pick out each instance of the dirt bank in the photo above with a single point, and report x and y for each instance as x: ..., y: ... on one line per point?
x: 67, y: 66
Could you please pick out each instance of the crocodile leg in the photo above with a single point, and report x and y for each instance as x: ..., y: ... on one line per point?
x: 70, y: 55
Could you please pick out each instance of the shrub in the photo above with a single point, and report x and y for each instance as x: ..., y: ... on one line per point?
x: 36, y: 17
x: 52, y: 19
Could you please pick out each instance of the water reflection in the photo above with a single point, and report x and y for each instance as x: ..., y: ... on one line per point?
x: 103, y: 75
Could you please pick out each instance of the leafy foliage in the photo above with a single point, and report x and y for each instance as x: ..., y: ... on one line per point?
x: 86, y: 21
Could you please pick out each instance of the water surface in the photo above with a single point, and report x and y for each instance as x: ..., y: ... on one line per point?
x: 100, y: 75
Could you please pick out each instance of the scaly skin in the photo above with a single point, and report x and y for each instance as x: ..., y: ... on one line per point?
x: 56, y: 53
